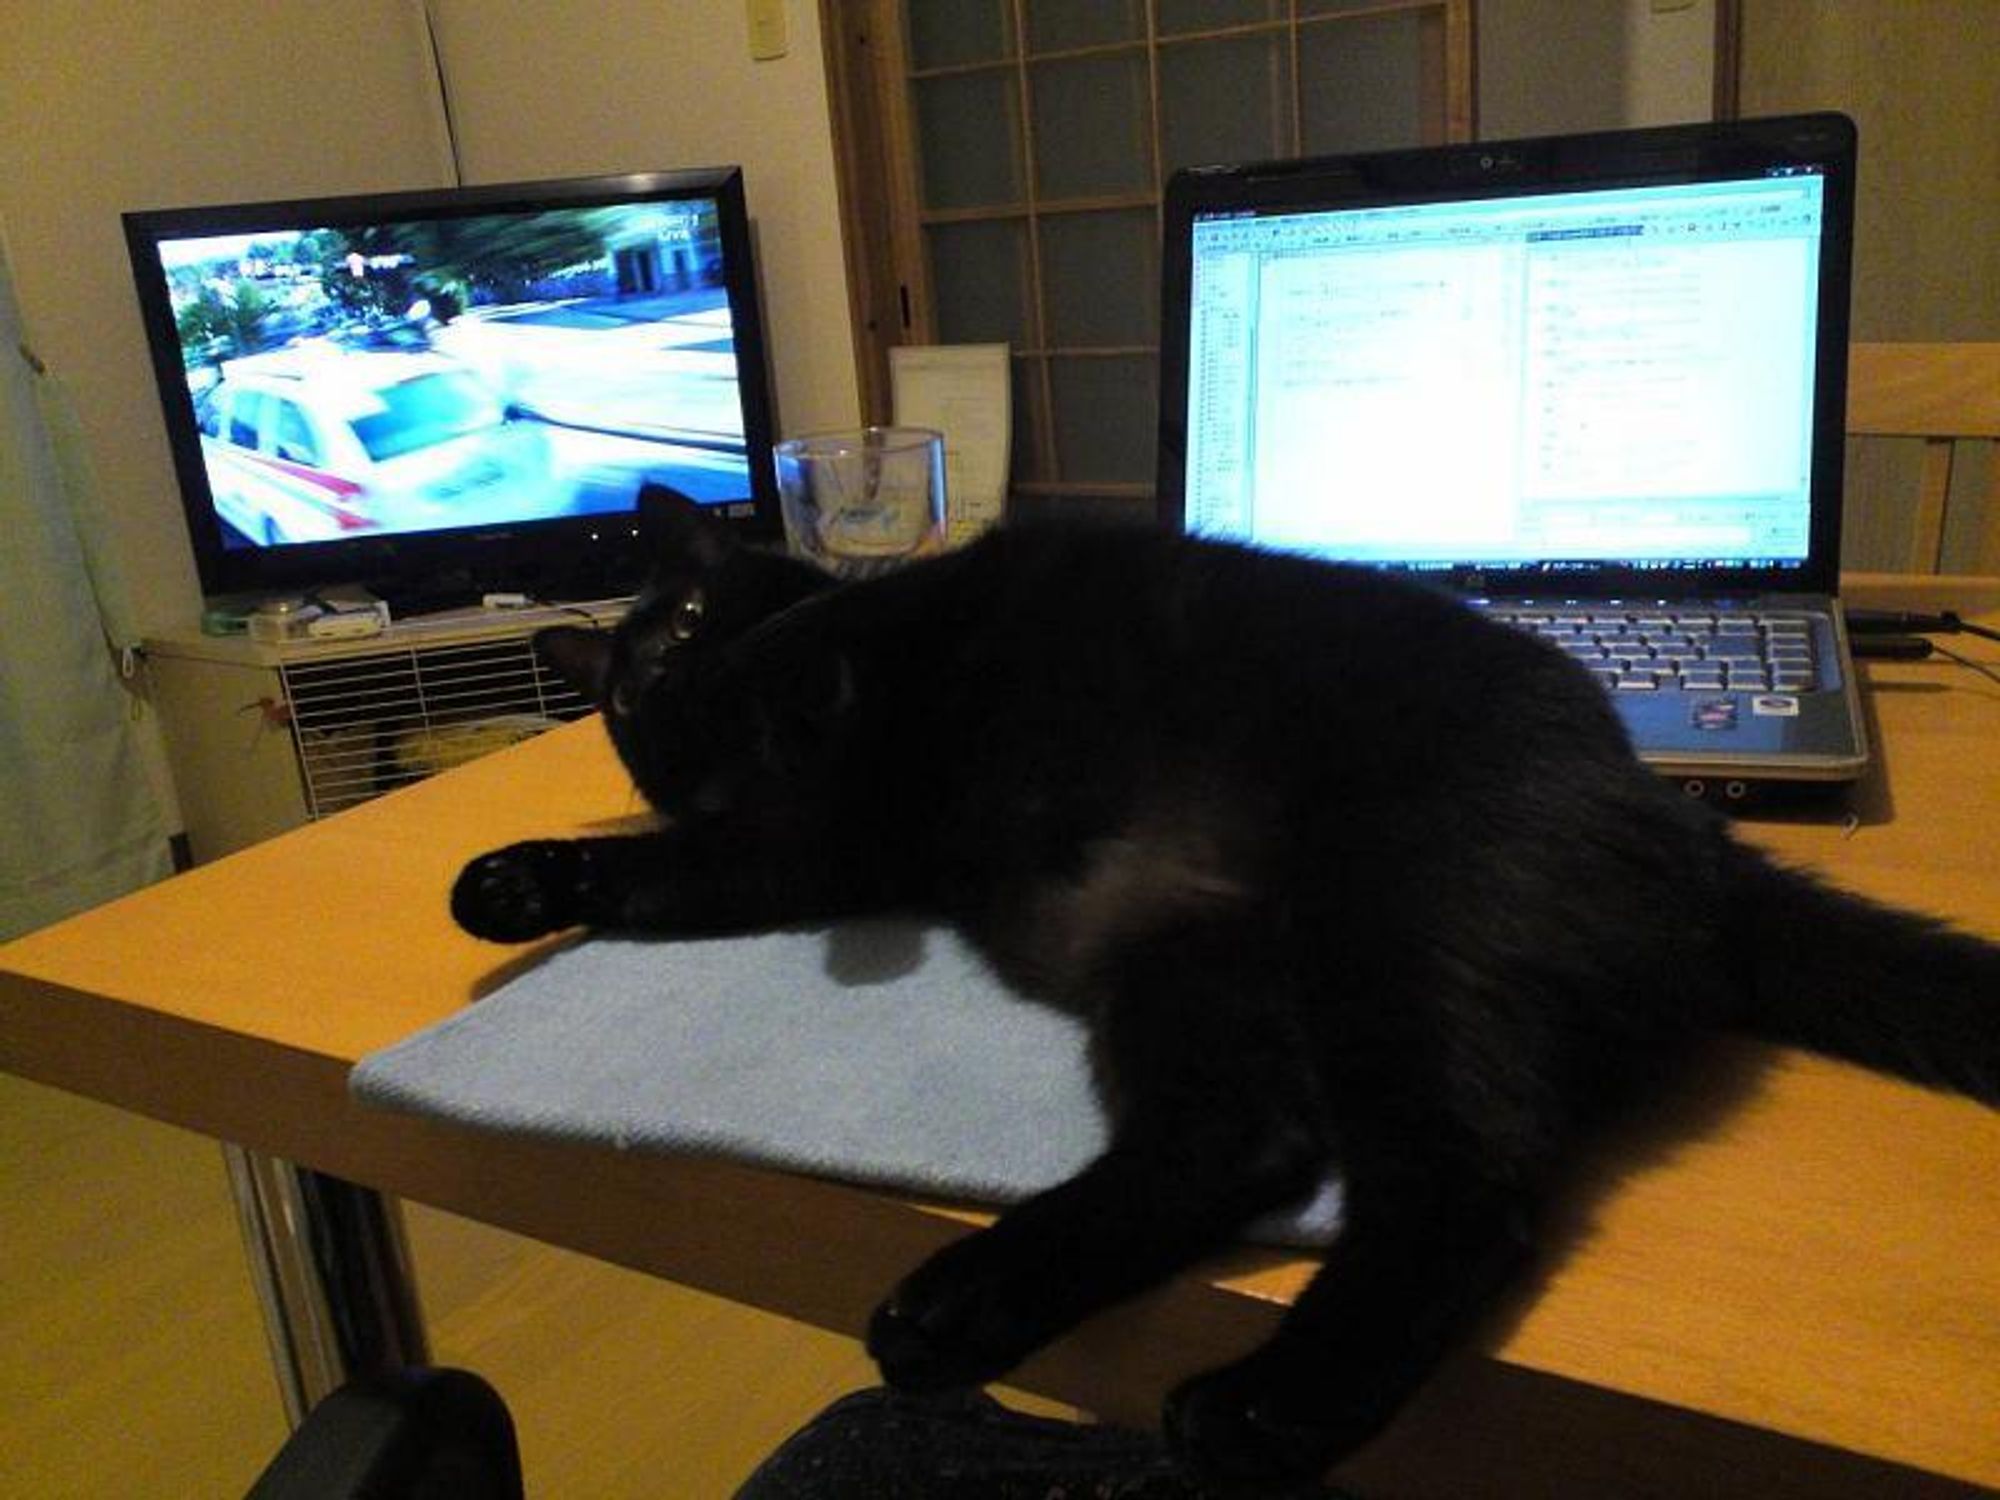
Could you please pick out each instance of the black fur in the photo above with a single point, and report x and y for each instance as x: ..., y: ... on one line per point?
x: 1342, y: 876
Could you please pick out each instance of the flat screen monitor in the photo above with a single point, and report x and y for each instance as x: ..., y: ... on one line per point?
x: 443, y: 393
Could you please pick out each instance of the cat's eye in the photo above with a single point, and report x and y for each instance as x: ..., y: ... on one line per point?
x: 686, y: 619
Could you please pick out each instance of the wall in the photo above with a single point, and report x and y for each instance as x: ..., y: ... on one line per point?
x: 1924, y: 91
x: 1548, y: 66
x: 106, y: 105
x: 1670, y: 68
x: 1923, y: 85
x: 541, y: 90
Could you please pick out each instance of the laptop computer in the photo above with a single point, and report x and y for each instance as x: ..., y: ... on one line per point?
x: 1594, y: 384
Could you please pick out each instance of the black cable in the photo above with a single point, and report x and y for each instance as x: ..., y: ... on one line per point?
x: 444, y: 98
x: 1870, y: 647
x: 1897, y: 634
x: 1895, y: 622
x: 569, y: 609
x: 1967, y: 662
x: 1913, y: 622
x: 1984, y: 632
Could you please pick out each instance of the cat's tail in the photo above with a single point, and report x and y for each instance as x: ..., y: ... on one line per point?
x: 1883, y: 988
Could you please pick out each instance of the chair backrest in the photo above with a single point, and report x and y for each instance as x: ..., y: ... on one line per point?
x: 1949, y: 396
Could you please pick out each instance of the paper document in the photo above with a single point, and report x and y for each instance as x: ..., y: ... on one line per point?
x: 963, y: 391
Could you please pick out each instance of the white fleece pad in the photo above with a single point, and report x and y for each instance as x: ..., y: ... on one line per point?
x: 881, y: 1052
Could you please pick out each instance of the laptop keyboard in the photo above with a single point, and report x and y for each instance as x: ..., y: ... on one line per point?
x: 1642, y: 651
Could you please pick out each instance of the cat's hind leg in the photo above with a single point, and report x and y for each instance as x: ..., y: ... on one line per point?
x: 1216, y: 1120
x: 1425, y: 1249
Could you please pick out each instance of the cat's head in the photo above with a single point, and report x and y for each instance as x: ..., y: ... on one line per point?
x: 707, y: 588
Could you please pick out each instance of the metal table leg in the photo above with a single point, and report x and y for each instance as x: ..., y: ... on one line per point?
x: 332, y: 1273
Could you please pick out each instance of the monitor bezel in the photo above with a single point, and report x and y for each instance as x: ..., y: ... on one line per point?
x: 571, y: 556
x: 1823, y: 143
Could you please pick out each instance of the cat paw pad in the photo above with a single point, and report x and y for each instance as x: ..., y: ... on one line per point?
x: 510, y: 895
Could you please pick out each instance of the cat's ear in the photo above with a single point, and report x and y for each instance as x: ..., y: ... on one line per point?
x: 580, y: 657
x: 677, y: 531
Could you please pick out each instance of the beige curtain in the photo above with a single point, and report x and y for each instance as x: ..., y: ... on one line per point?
x: 79, y: 822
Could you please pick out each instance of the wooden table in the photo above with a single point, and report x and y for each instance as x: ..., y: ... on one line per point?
x: 1786, y: 1283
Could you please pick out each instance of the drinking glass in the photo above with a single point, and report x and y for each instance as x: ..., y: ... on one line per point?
x: 861, y: 502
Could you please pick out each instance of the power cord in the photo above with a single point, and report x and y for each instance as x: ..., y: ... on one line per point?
x: 578, y: 610
x: 1899, y: 634
x: 1910, y: 622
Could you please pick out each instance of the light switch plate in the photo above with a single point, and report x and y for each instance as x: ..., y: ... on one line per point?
x: 768, y: 31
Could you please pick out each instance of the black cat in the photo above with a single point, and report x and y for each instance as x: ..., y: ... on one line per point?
x: 1342, y: 876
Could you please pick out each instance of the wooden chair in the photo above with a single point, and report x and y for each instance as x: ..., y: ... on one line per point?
x: 1948, y: 395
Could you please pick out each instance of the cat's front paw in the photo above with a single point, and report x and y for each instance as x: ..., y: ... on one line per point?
x: 1252, y: 1424
x: 514, y: 894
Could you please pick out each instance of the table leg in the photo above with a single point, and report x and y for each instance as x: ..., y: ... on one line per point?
x: 332, y: 1273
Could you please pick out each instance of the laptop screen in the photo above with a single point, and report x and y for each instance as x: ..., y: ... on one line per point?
x: 1598, y: 379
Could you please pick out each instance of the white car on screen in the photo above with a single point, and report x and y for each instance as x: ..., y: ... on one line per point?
x: 322, y: 444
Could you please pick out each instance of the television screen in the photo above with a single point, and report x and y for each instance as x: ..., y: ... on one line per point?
x: 470, y: 380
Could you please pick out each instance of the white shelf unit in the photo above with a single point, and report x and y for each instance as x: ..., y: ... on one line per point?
x: 262, y: 737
